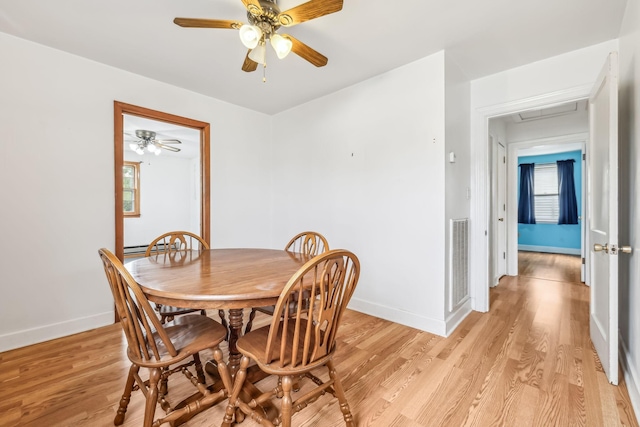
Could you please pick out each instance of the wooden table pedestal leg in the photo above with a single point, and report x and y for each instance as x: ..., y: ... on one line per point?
x: 235, y: 331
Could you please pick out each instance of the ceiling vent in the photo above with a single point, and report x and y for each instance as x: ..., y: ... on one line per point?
x: 545, y: 113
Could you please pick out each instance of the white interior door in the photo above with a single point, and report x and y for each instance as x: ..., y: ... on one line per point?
x: 584, y: 249
x: 501, y: 210
x: 602, y: 184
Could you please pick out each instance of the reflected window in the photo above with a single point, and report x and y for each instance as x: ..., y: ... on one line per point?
x: 131, y: 188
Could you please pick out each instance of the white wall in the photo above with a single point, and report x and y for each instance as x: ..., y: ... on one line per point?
x: 365, y: 167
x: 457, y: 174
x: 629, y: 153
x: 56, y: 154
x: 166, y: 197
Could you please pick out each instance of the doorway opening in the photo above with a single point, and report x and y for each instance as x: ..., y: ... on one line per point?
x: 129, y: 118
x: 540, y: 136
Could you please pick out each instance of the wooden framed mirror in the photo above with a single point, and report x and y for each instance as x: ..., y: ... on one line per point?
x: 120, y: 111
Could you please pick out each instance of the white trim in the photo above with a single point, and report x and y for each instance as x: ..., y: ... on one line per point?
x: 402, y: 317
x: 456, y: 317
x: 557, y: 144
x: 40, y: 334
x: 630, y: 373
x: 549, y: 249
x: 479, y: 242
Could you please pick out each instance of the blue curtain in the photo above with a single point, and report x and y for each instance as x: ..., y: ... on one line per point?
x: 567, y: 202
x: 526, y: 203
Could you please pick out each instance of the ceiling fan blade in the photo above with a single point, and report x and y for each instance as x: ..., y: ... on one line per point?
x: 207, y: 23
x: 167, y: 147
x: 305, y: 52
x: 169, y: 141
x: 309, y: 10
x: 253, y: 6
x: 249, y: 65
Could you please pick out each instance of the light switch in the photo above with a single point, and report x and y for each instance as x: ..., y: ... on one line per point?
x: 452, y: 157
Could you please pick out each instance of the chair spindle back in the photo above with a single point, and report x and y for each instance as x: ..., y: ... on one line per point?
x: 309, y: 243
x: 176, y: 241
x: 146, y: 337
x: 327, y: 282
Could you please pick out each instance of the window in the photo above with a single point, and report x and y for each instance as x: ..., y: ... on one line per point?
x: 131, y: 188
x: 546, y: 193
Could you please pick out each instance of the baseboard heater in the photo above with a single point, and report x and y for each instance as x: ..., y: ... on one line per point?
x: 139, y: 250
x: 134, y: 251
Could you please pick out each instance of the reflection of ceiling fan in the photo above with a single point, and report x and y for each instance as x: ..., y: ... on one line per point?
x: 265, y: 18
x: 147, y: 139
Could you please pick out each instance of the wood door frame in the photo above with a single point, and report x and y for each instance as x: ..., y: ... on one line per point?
x: 119, y: 109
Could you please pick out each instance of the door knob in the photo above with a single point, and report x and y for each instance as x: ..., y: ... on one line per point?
x: 500, y: 219
x: 599, y: 248
x: 626, y: 249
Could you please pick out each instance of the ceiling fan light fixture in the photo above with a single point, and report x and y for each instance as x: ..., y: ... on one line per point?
x: 133, y: 146
x: 259, y: 54
x: 250, y: 36
x: 140, y: 151
x: 282, y: 45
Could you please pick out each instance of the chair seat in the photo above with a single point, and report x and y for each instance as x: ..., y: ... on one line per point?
x: 254, y: 345
x: 189, y: 335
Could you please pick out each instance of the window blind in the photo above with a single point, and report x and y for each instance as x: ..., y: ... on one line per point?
x: 546, y: 193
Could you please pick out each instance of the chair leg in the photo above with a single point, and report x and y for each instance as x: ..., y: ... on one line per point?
x: 287, y: 402
x: 252, y: 316
x: 223, y: 370
x: 198, y: 366
x: 342, y: 398
x: 152, y: 396
x: 126, y: 396
x: 235, y: 393
x: 163, y: 388
x: 223, y: 322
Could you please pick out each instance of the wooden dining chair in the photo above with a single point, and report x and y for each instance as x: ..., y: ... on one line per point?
x: 308, y: 243
x: 292, y: 346
x: 168, y: 243
x: 158, y: 347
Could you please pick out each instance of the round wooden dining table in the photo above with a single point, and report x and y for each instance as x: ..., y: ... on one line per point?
x: 223, y: 279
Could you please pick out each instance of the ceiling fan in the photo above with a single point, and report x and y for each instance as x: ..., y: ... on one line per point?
x: 265, y: 18
x: 147, y: 139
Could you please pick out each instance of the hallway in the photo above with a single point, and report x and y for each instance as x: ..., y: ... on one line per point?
x: 558, y: 267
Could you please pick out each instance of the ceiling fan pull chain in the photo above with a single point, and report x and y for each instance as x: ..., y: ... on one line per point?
x: 264, y: 72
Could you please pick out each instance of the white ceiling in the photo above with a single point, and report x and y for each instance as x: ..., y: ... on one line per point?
x: 366, y: 38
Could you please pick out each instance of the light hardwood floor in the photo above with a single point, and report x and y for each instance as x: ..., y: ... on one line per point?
x: 528, y: 362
